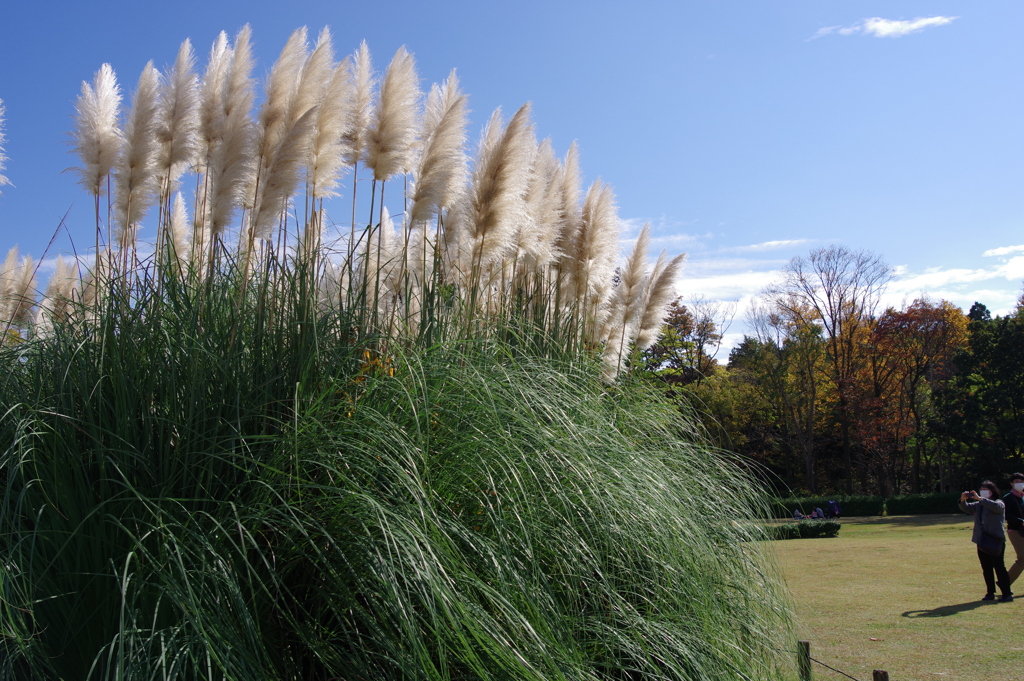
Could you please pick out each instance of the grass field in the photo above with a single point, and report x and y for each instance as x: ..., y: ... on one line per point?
x: 902, y: 594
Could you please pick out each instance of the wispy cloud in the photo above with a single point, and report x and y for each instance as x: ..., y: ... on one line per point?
x: 768, y: 246
x: 732, y: 286
x: 884, y: 28
x: 1003, y: 250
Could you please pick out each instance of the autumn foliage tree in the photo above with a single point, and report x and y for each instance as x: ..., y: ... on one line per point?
x: 833, y: 395
x: 910, y: 353
x: 838, y: 289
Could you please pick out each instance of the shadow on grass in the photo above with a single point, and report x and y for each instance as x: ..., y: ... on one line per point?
x: 947, y: 610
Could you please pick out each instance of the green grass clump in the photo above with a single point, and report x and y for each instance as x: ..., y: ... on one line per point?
x: 202, y: 484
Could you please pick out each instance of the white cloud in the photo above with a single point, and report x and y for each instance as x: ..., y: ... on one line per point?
x: 1003, y: 250
x: 732, y: 286
x: 768, y: 246
x: 884, y: 28
x: 677, y: 240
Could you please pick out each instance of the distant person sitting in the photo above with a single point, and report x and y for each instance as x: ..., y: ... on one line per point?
x: 818, y: 513
x: 797, y: 515
x: 833, y: 509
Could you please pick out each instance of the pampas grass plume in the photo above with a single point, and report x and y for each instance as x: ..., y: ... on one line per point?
x: 211, y: 98
x: 500, y: 179
x: 8, y: 278
x: 543, y: 204
x: 177, y: 126
x: 315, y: 76
x: 283, y: 176
x: 361, y: 110
x: 136, y: 168
x: 328, y: 147
x: 231, y: 167
x: 393, y: 136
x: 97, y: 137
x: 281, y: 87
x: 441, y: 172
x: 660, y: 291
x: 179, y: 230
x: 23, y: 295
x: 569, y: 212
x: 57, y: 303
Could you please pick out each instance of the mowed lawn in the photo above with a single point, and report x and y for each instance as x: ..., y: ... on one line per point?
x: 902, y: 594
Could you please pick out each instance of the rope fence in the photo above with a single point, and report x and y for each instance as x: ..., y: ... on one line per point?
x: 804, y: 660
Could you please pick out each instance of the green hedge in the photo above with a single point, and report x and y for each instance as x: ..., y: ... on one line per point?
x: 853, y: 506
x: 805, y: 529
x: 917, y: 504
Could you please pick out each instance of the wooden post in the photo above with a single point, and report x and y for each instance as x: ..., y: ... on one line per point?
x: 803, y: 659
x: 879, y: 675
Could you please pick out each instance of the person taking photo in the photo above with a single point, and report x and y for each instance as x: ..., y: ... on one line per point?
x: 989, y: 510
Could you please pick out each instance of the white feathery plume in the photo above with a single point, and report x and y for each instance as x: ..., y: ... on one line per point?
x: 328, y: 148
x: 361, y: 110
x: 309, y: 92
x: 500, y: 179
x: 23, y: 296
x: 625, y: 304
x: 630, y: 293
x: 439, y: 100
x: 3, y: 157
x: 441, y: 173
x: 543, y: 201
x: 569, y: 213
x: 180, y: 229
x: 282, y: 176
x: 97, y: 137
x: 177, y: 125
x: 231, y: 167
x: 281, y: 87
x: 238, y: 102
x: 658, y: 293
x: 393, y: 136
x: 596, y: 241
x: 57, y: 303
x: 212, y: 91
x: 8, y: 278
x: 316, y: 74
x: 273, y: 125
x: 135, y: 172
x: 461, y: 234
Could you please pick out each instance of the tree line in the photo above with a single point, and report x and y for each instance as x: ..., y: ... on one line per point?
x: 829, y: 392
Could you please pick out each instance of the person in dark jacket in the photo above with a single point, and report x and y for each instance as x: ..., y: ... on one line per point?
x: 1014, y: 502
x: 988, y: 510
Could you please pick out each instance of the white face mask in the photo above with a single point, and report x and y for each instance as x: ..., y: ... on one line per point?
x: 984, y: 494
x: 1019, y: 486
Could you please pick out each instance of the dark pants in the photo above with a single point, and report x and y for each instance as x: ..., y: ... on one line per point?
x: 995, y: 572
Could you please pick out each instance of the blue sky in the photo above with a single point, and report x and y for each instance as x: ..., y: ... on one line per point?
x: 746, y: 132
